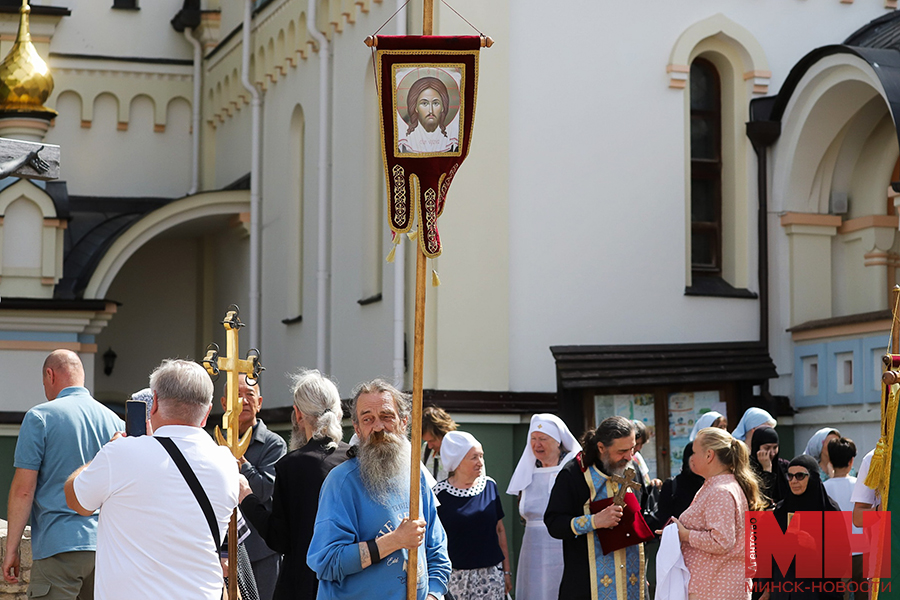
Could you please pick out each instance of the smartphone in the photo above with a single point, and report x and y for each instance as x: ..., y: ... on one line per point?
x: 135, y: 418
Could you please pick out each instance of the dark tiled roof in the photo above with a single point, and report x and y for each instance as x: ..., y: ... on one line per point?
x: 618, y: 366
x: 883, y: 32
x: 95, y: 223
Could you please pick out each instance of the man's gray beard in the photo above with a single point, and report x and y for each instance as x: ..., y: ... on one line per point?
x: 298, y: 435
x: 298, y: 438
x: 612, y: 469
x: 384, y: 467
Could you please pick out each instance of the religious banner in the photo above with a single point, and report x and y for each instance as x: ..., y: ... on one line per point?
x: 426, y: 86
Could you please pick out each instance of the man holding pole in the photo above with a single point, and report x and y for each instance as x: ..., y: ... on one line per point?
x: 363, y: 534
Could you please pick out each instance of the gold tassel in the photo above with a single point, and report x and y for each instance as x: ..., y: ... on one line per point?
x: 396, y: 241
x: 435, y: 280
x: 876, y: 467
x: 412, y: 235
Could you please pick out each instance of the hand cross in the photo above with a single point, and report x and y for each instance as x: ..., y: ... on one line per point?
x: 624, y: 484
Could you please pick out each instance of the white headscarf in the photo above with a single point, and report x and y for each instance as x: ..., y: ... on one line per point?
x: 753, y: 418
x: 706, y: 420
x: 454, y: 447
x: 815, y: 443
x: 548, y: 425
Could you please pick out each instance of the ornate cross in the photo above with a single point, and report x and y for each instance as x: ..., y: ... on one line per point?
x: 624, y: 484
x: 234, y: 367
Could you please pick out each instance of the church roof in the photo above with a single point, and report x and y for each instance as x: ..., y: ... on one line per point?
x: 883, y: 32
x: 95, y: 223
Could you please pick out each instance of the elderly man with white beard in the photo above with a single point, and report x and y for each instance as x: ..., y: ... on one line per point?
x: 363, y: 533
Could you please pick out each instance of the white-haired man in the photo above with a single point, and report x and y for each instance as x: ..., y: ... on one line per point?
x: 155, y: 538
x: 288, y: 528
x: 363, y: 533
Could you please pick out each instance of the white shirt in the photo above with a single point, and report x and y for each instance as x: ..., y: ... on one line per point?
x: 840, y: 489
x: 153, y: 540
x: 861, y: 493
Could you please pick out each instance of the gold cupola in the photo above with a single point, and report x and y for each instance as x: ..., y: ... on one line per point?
x: 25, y: 79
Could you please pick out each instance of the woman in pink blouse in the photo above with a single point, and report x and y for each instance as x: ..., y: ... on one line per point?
x: 712, y: 528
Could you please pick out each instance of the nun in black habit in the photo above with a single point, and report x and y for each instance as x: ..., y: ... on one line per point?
x: 806, y: 494
x: 771, y: 471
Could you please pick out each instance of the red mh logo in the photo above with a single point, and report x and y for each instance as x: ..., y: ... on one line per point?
x: 808, y: 534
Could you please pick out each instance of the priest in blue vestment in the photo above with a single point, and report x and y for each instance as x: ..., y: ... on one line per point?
x: 588, y: 573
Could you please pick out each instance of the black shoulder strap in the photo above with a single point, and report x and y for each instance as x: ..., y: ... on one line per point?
x: 195, y: 486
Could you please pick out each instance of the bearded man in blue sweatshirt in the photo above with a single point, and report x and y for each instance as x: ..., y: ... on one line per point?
x: 363, y: 533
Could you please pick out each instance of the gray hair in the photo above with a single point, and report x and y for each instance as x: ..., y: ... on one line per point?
x: 318, y: 399
x: 403, y: 402
x: 183, y: 389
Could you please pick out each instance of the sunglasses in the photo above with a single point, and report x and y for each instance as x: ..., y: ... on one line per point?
x: 797, y: 476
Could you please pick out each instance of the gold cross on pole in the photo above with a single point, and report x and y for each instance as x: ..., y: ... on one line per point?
x: 234, y: 367
x: 624, y: 484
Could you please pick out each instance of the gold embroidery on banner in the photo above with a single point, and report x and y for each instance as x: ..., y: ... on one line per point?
x: 606, y: 581
x: 431, y: 221
x: 592, y: 550
x: 632, y: 579
x: 400, y: 203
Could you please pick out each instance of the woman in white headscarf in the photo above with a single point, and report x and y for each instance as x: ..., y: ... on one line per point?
x: 709, y: 419
x: 550, y: 446
x: 753, y: 419
x: 471, y: 514
x: 817, y: 447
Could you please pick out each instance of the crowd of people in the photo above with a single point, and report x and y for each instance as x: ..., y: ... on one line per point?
x: 116, y: 516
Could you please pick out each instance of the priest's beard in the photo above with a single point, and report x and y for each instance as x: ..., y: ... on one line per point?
x: 298, y: 436
x: 384, y: 465
x: 613, y: 468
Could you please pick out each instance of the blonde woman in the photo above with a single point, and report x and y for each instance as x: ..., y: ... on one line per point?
x: 711, y: 530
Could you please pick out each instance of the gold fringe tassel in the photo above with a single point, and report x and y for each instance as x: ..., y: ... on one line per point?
x: 397, y: 240
x: 879, y: 469
x: 435, y: 280
x: 412, y: 235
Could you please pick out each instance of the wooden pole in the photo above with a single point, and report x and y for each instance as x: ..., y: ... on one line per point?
x: 418, y: 363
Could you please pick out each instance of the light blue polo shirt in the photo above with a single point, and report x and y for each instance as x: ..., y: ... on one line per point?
x: 55, y: 439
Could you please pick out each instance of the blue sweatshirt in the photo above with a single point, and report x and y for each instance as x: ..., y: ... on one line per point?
x: 347, y: 516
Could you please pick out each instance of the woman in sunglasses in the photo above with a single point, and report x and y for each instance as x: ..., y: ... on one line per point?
x: 807, y: 493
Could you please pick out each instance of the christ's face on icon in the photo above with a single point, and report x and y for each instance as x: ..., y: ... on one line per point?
x: 429, y: 109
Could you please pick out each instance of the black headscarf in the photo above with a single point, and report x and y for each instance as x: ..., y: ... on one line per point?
x: 815, y: 497
x: 774, y: 484
x: 686, y: 484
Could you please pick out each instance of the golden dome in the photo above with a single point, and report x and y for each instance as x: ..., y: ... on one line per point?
x: 25, y: 79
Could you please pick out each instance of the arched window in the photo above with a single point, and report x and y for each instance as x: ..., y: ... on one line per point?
x: 706, y: 169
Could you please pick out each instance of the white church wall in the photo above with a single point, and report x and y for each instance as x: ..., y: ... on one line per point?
x: 140, y: 340
x: 472, y: 319
x: 361, y: 337
x: 287, y: 347
x: 105, y: 31
x: 25, y: 390
x: 108, y: 150
x: 602, y: 184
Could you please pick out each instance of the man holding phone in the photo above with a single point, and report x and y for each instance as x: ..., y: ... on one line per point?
x: 55, y: 438
x: 165, y: 500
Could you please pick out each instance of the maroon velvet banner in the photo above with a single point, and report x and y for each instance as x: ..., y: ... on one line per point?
x: 427, y: 87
